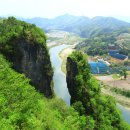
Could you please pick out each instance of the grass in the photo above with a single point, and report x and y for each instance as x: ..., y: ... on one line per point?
x: 64, y: 60
x: 63, y: 65
x: 121, y: 96
x: 123, y: 92
x: 128, y: 72
x: 63, y: 55
x: 115, y: 76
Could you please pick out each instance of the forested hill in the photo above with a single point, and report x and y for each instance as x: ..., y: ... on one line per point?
x: 87, y: 99
x: 23, y: 107
x: 25, y: 46
x: 119, y: 38
x: 81, y: 25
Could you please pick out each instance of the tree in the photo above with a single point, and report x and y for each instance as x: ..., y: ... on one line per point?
x: 86, y: 95
x: 129, y: 55
x: 123, y: 73
x: 23, y: 108
x: 78, y: 106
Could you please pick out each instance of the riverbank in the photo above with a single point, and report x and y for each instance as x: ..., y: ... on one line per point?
x: 59, y: 78
x: 112, y: 86
x: 124, y: 101
x: 63, y: 55
x: 108, y: 81
x: 60, y: 86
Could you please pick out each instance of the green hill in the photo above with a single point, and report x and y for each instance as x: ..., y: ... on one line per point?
x: 26, y: 80
x: 99, y: 44
x: 87, y: 99
x: 22, y: 108
x: 24, y: 45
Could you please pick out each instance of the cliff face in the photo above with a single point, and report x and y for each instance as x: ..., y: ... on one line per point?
x: 87, y: 98
x: 78, y: 77
x: 72, y: 71
x: 25, y: 46
x: 33, y: 60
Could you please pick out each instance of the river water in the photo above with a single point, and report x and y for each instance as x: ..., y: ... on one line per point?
x: 59, y: 78
x: 125, y: 113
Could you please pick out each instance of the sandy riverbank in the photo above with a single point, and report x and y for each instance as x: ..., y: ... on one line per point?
x: 63, y: 55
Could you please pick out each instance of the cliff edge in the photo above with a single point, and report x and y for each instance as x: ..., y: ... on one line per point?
x: 25, y: 46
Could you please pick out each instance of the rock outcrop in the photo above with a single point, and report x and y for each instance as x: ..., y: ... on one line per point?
x: 33, y: 60
x: 72, y: 71
x: 25, y: 46
x: 78, y: 76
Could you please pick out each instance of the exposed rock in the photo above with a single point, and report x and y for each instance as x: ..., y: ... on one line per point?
x: 33, y: 60
x: 25, y: 46
x: 72, y: 71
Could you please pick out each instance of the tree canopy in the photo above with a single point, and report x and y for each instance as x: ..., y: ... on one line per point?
x: 22, y: 108
x: 88, y: 99
x: 12, y: 29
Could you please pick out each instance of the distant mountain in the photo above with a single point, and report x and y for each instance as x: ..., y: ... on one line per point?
x: 41, y: 22
x: 100, y: 25
x: 60, y: 22
x: 81, y: 25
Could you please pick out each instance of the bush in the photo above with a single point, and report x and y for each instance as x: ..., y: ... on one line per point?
x: 22, y: 108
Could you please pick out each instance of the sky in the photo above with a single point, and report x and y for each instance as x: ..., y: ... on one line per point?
x: 53, y: 8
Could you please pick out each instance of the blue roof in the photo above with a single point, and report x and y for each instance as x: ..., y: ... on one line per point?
x: 116, y: 55
x: 98, y: 68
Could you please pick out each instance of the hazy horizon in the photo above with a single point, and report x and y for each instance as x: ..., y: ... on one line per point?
x: 53, y: 8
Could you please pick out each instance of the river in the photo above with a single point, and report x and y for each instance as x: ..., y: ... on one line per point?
x: 59, y: 78
x: 125, y: 113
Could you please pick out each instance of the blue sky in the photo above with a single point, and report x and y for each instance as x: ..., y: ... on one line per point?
x: 52, y: 8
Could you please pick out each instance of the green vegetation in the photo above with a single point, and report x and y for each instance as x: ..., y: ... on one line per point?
x: 13, y: 29
x: 63, y: 55
x: 120, y: 70
x: 123, y: 73
x: 118, y: 96
x: 22, y: 108
x: 87, y: 98
x: 115, y: 76
x: 123, y: 92
x: 25, y: 46
x: 120, y: 38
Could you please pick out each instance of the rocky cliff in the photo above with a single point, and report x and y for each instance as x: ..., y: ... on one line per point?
x: 72, y: 71
x: 26, y: 48
x: 34, y: 62
x: 78, y: 75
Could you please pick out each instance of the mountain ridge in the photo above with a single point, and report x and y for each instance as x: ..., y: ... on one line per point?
x: 81, y: 25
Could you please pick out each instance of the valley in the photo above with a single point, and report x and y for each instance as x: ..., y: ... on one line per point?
x: 57, y: 37
x: 64, y: 65
x: 59, y: 72
x: 109, y: 82
x: 81, y: 25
